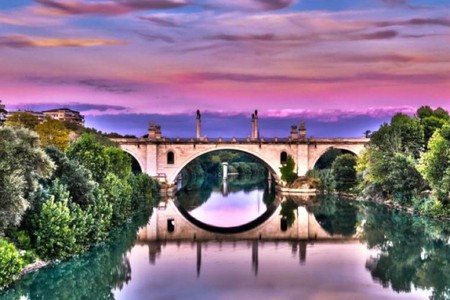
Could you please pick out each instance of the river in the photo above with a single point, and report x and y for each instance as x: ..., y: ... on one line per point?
x: 371, y: 252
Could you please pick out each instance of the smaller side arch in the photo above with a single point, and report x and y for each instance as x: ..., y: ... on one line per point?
x: 135, y: 156
x: 313, y: 160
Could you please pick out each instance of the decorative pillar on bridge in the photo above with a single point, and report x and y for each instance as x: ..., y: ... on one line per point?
x: 154, y: 131
x: 199, y: 124
x: 255, y: 129
x: 294, y: 134
x: 302, y: 131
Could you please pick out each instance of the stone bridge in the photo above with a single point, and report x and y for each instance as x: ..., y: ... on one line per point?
x: 164, y: 158
x: 304, y: 227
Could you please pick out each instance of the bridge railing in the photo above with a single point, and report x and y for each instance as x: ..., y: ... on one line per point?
x: 233, y: 140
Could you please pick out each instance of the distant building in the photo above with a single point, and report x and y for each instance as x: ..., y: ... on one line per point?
x: 65, y: 114
x: 2, y: 113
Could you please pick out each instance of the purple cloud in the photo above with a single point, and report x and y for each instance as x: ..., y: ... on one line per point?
x: 160, y: 21
x: 99, y: 84
x: 416, y: 22
x: 379, y: 35
x: 238, y: 77
x: 81, y: 7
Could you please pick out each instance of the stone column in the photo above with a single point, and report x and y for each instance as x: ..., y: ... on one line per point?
x: 294, y: 134
x: 302, y: 131
x: 199, y: 124
x: 256, y: 125
x: 253, y: 136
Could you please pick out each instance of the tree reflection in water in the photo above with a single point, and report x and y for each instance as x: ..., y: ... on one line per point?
x: 415, y: 251
x: 94, y: 274
x: 335, y: 215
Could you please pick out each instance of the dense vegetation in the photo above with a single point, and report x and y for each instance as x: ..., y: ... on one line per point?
x: 407, y: 157
x: 56, y: 204
x: 407, y: 161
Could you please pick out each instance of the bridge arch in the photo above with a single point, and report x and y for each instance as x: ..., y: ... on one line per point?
x: 272, y: 166
x: 136, y: 157
x: 321, y: 152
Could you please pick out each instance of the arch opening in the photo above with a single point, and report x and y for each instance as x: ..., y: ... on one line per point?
x: 274, y: 171
x: 136, y: 165
x: 225, y: 202
x: 328, y: 156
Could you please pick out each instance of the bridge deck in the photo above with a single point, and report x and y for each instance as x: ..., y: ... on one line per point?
x: 164, y: 140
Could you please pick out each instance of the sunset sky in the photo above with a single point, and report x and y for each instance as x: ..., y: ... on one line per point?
x: 343, y: 66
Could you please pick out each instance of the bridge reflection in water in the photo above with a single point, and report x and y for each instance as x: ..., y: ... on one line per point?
x: 170, y: 224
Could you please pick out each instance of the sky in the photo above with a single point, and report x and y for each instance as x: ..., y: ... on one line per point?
x: 342, y: 66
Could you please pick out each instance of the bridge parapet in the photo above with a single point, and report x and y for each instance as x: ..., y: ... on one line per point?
x: 233, y: 140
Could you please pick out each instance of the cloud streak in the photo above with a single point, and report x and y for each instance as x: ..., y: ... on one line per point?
x: 99, y: 84
x: 23, y: 41
x: 257, y: 78
x: 80, y: 7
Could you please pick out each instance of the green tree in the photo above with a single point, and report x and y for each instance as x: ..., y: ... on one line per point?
x: 287, y: 170
x: 55, y: 238
x: 76, y: 177
x: 143, y: 188
x: 403, y: 134
x: 118, y: 193
x: 344, y: 172
x: 435, y: 163
x: 11, y: 263
x: 91, y: 154
x: 432, y: 120
x: 119, y: 162
x: 22, y: 164
x: 395, y: 174
x: 23, y: 119
x: 53, y: 132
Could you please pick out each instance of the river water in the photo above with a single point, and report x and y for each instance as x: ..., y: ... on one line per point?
x: 371, y: 252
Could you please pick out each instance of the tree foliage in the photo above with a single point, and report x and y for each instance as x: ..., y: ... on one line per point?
x: 76, y: 177
x: 91, y: 154
x: 11, y: 263
x: 23, y: 119
x: 287, y: 170
x: 344, y: 172
x: 53, y: 132
x: 22, y: 164
x: 435, y: 163
x: 432, y: 120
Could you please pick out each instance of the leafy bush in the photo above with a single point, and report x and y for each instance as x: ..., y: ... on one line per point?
x: 55, y: 238
x: 143, y: 189
x: 11, y: 263
x: 77, y: 178
x: 288, y: 174
x: 344, y: 172
x: 118, y: 193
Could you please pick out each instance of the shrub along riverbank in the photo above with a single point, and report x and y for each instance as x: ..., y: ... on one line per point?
x: 55, y: 204
x: 406, y: 164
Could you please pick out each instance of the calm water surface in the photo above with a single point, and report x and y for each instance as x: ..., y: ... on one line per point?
x: 382, y: 254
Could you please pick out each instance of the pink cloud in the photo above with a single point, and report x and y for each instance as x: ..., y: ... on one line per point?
x: 80, y: 7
